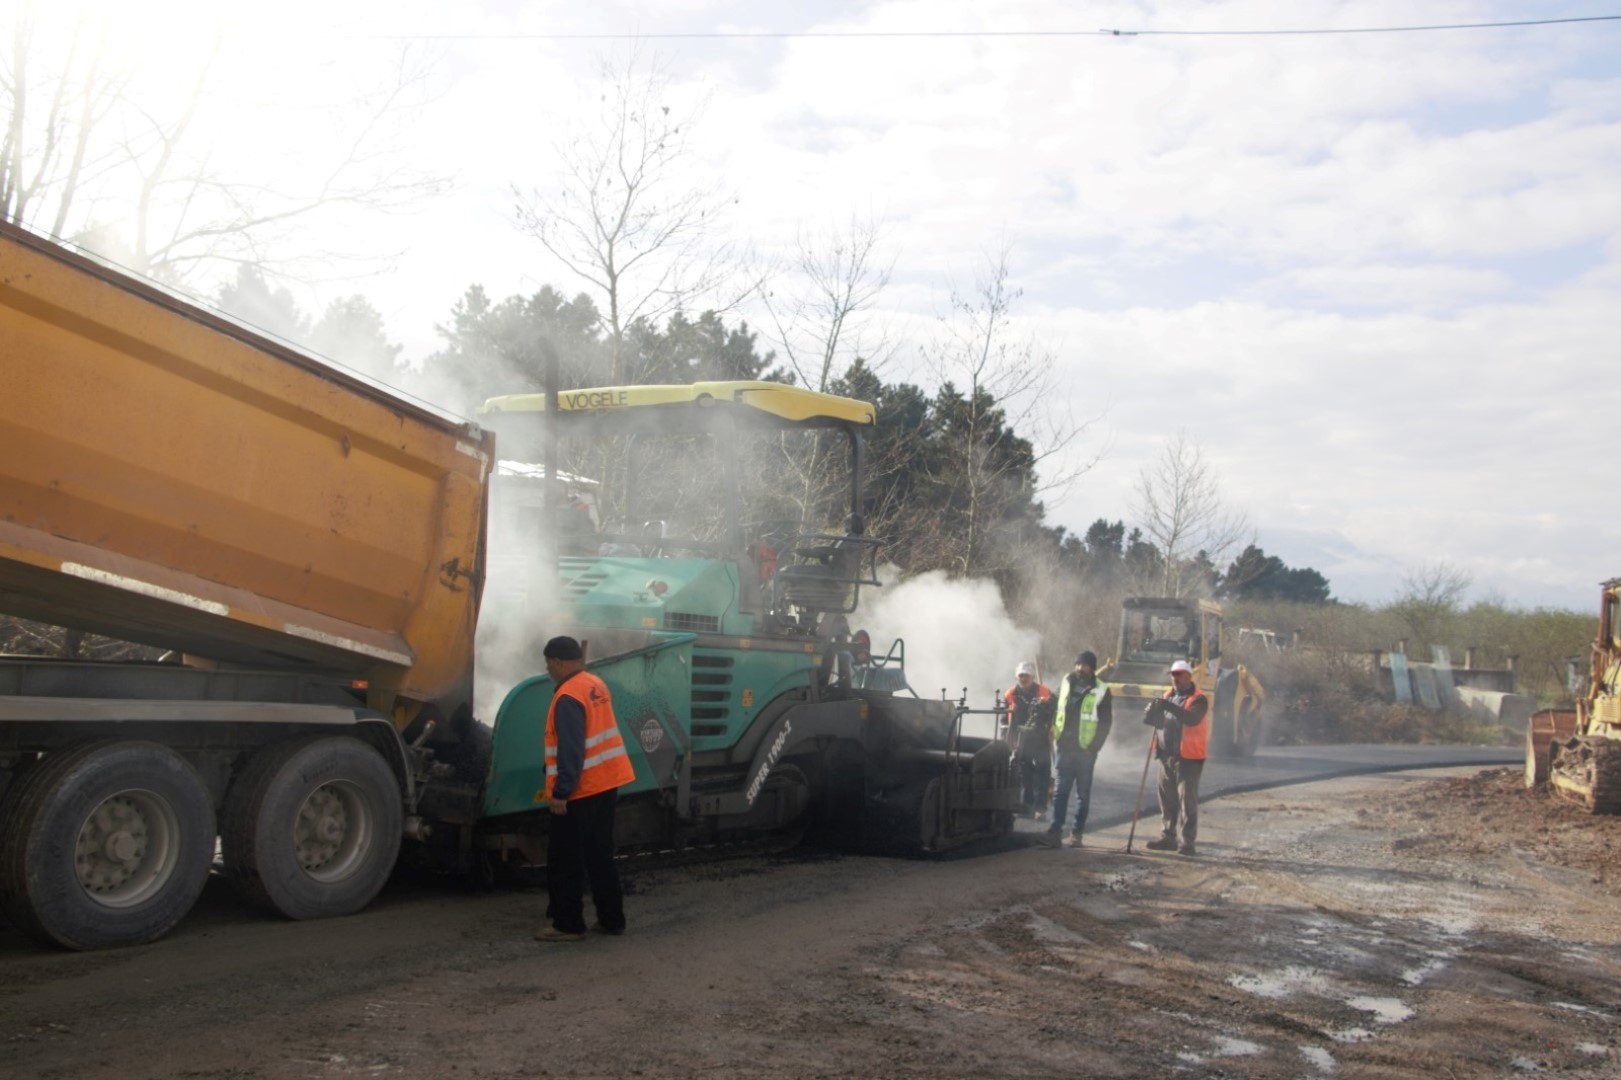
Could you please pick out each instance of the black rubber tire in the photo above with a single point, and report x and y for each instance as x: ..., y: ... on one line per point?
x: 785, y: 836
x: 56, y: 821
x: 312, y: 827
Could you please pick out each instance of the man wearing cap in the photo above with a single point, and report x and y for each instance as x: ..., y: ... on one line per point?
x: 586, y: 765
x: 1085, y: 714
x: 1182, y: 717
x: 1029, y: 714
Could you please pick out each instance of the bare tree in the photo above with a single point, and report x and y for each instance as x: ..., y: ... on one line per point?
x: 1181, y: 510
x: 837, y: 276
x: 819, y: 316
x: 87, y: 157
x: 54, y: 106
x: 626, y: 215
x: 1006, y: 381
x: 1429, y: 596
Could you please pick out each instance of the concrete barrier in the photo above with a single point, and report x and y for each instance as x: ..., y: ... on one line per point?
x: 1511, y: 711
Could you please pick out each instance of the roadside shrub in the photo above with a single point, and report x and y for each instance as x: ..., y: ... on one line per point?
x: 1541, y: 640
x: 1316, y: 696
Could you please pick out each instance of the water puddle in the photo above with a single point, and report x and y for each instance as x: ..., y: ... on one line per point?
x: 1280, y: 984
x: 1384, y: 1010
x: 1416, y: 976
x: 1318, y: 1058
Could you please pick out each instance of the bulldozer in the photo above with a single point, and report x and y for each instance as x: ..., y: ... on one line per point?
x: 1578, y: 751
x: 1157, y: 631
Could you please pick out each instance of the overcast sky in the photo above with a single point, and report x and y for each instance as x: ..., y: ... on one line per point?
x: 1375, y: 276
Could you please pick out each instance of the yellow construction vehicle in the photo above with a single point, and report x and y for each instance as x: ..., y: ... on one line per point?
x: 1157, y: 631
x: 1578, y: 751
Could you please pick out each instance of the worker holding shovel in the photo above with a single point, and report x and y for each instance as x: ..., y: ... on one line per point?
x: 1182, y: 720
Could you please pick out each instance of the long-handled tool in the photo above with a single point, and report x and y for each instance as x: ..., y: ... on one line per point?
x: 1045, y: 800
x: 1138, y: 809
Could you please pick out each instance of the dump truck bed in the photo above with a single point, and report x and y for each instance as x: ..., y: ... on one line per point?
x: 170, y: 477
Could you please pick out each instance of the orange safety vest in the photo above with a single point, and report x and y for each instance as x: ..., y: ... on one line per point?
x: 1194, y: 738
x: 607, y: 765
x: 1014, y: 699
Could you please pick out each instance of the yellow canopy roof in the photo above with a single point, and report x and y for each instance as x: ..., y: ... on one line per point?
x: 790, y: 404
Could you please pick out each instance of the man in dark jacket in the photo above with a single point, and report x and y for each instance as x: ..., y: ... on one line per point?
x: 1084, y: 716
x: 586, y: 765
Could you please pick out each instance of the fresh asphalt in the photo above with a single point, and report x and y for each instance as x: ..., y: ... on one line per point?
x: 1115, y: 785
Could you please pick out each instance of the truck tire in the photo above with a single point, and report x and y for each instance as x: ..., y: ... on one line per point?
x: 312, y: 827
x: 106, y: 843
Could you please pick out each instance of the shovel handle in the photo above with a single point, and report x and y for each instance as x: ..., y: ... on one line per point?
x: 1143, y: 783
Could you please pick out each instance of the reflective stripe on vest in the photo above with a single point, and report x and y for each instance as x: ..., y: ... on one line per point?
x: 1195, y: 737
x: 1086, y: 721
x: 607, y: 763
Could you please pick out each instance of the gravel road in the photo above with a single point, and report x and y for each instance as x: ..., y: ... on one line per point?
x: 1403, y: 925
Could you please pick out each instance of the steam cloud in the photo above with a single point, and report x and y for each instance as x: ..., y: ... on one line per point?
x: 958, y: 634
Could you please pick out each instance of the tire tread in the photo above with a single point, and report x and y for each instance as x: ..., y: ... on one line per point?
x: 239, y: 825
x: 20, y: 809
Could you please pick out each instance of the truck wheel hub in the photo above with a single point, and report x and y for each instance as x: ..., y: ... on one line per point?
x: 127, y: 848
x: 122, y: 847
x: 321, y: 826
x: 333, y: 831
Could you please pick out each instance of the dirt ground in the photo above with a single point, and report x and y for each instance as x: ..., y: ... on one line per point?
x: 1406, y: 925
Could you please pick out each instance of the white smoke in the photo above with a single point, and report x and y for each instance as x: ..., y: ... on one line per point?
x: 958, y: 636
x: 522, y: 592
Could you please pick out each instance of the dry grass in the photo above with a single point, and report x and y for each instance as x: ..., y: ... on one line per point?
x: 1316, y: 696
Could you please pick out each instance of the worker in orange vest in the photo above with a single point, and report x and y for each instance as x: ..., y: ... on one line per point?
x: 1183, y: 719
x: 1030, y: 720
x: 586, y: 765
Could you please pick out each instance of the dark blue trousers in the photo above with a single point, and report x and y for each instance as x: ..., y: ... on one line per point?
x: 1074, y: 771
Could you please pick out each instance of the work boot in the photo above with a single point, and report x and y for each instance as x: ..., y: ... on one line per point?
x: 603, y: 928
x: 552, y: 933
x: 1186, y: 849
x: 1164, y: 843
x: 1052, y: 836
x: 1074, y: 838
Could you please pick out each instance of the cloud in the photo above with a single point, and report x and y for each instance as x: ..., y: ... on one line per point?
x: 1378, y: 277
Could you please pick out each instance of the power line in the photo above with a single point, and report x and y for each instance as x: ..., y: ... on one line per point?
x: 1365, y: 29
x: 1106, y: 32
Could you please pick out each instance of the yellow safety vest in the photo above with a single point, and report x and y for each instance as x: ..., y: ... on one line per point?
x: 1087, y: 719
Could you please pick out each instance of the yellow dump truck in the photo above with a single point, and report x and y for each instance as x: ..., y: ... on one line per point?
x: 306, y: 546
x: 306, y: 551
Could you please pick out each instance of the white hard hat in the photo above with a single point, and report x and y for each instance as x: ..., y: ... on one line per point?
x: 1181, y: 665
x: 1026, y: 668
